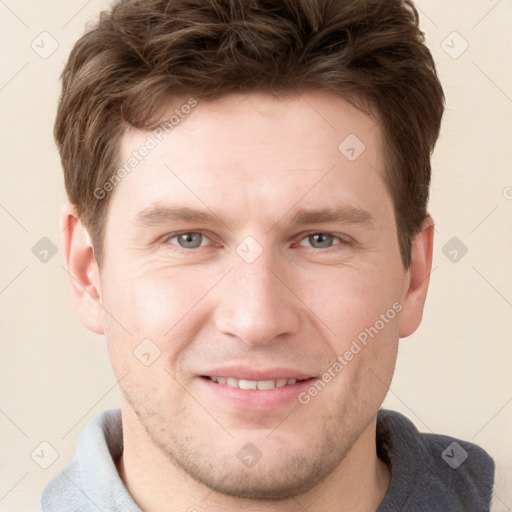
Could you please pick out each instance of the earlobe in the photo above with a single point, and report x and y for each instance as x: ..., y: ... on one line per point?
x: 82, y: 269
x: 418, y: 279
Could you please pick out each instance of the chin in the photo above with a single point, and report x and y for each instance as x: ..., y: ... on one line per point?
x: 274, y: 481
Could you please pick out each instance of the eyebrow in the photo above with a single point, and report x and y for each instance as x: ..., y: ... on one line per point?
x: 157, y: 215
x: 342, y: 214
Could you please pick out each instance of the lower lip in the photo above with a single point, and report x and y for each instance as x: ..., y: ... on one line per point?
x: 254, y: 399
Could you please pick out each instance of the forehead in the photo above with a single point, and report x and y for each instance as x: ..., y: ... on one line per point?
x: 258, y: 155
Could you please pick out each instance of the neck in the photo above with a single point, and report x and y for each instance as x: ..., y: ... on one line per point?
x: 358, y: 484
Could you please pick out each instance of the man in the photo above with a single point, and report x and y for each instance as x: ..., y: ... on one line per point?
x: 247, y: 225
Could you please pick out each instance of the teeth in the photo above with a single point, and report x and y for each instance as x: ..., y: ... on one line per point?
x: 247, y: 384
x: 232, y: 382
x: 266, y: 384
x: 254, y: 384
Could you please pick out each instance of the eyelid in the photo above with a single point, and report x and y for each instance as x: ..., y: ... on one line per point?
x: 174, y: 235
x: 168, y: 237
x: 344, y: 239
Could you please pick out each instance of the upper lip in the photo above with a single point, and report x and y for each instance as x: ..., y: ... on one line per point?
x: 251, y: 373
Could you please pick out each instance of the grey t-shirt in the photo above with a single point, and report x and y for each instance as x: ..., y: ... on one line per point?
x: 429, y: 472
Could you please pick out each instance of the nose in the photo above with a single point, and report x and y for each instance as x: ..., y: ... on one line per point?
x: 257, y: 304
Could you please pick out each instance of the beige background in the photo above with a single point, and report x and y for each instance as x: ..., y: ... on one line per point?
x: 453, y: 375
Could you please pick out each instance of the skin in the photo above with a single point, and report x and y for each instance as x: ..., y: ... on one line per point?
x: 254, y: 161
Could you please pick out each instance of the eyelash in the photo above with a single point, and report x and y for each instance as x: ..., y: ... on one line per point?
x: 343, y: 240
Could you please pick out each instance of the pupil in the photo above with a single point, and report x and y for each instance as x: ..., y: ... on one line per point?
x: 321, y: 240
x: 189, y: 240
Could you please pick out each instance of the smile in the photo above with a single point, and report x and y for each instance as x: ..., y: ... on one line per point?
x: 255, y: 384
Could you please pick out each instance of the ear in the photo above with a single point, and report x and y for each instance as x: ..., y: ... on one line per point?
x: 82, y: 269
x: 418, y: 279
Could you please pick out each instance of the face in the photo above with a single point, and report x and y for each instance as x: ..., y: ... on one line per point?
x: 253, y: 256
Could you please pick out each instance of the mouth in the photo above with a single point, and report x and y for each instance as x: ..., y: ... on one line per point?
x: 252, y: 391
x: 261, y: 385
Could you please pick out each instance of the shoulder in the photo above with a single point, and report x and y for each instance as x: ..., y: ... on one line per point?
x: 63, y: 493
x: 455, y: 474
x: 91, y: 480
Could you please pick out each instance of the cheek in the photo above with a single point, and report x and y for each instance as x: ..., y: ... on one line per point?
x: 151, y: 304
x: 351, y: 299
x: 361, y: 309
x: 155, y: 314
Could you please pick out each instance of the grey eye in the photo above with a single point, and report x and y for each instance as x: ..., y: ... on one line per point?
x: 189, y: 240
x: 321, y: 240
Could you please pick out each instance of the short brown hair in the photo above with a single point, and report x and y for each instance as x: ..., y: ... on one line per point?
x: 142, y: 52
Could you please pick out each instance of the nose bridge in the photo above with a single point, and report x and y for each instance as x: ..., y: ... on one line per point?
x: 255, y: 305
